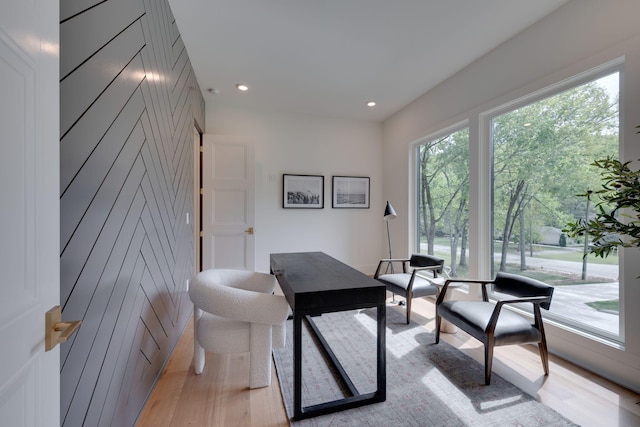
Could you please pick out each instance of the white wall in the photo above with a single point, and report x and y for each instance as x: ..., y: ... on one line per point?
x: 577, y: 37
x: 309, y: 145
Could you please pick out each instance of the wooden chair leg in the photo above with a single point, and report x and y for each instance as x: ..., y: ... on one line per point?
x: 542, y: 345
x: 408, y: 299
x: 488, y: 361
x: 544, y: 356
x: 438, y: 322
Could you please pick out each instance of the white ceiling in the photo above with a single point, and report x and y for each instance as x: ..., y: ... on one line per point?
x: 328, y: 57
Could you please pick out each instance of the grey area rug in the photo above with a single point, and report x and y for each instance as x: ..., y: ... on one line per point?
x: 427, y: 384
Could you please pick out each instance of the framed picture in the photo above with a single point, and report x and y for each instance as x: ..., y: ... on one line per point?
x: 351, y: 192
x: 303, y: 191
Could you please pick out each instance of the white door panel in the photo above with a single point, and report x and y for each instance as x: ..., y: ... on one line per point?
x: 228, y: 203
x: 29, y: 210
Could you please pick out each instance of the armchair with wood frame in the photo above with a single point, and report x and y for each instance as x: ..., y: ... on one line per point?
x: 492, y: 323
x: 409, y: 284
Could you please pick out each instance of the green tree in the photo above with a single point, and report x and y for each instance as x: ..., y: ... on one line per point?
x: 540, y: 156
x: 611, y: 227
x: 443, y: 191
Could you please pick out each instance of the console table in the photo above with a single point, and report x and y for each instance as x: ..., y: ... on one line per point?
x: 315, y: 283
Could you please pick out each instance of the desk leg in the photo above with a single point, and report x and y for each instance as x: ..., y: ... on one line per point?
x: 297, y: 366
x: 382, y: 353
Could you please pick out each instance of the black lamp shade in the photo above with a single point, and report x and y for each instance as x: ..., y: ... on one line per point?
x: 389, y: 213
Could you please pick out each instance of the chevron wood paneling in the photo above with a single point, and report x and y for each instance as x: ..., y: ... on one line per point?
x: 129, y: 100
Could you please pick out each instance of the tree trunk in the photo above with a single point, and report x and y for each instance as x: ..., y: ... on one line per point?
x: 454, y: 253
x: 530, y: 233
x: 586, y: 244
x: 523, y: 255
x: 512, y: 213
x: 463, y: 247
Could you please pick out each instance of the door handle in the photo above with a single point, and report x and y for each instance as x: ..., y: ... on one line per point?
x: 249, y: 230
x: 57, y: 331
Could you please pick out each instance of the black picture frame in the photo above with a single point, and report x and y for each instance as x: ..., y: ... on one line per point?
x: 302, y: 191
x: 351, y: 192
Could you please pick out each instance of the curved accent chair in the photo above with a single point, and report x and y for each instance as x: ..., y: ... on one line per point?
x: 409, y: 284
x: 235, y: 311
x: 492, y: 323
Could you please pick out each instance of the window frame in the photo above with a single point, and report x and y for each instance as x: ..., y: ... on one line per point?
x: 414, y: 170
x: 481, y: 187
x: 485, y: 140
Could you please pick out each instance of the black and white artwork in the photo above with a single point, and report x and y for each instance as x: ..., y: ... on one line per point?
x: 351, y: 192
x: 303, y: 191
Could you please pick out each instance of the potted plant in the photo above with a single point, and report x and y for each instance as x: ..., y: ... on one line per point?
x: 617, y: 219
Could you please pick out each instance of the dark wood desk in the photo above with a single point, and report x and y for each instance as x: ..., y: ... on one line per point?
x: 315, y: 283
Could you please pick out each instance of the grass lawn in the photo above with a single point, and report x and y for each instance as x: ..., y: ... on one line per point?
x: 546, y: 252
x: 577, y: 257
x: 561, y: 254
x: 539, y: 251
x: 611, y: 306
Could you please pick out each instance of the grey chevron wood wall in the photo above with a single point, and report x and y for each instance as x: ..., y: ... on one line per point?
x: 129, y: 100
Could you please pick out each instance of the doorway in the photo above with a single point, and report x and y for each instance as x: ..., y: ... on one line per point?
x: 227, y: 197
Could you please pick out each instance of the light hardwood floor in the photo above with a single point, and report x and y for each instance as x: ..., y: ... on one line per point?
x: 221, y: 397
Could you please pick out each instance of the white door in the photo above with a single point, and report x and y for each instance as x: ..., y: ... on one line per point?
x: 29, y: 211
x: 227, y: 203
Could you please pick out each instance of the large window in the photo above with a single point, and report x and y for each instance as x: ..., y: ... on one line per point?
x: 541, y: 161
x: 443, y: 200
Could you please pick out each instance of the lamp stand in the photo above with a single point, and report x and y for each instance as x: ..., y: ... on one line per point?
x: 390, y: 264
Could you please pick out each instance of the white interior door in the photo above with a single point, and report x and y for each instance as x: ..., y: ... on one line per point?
x: 29, y: 211
x: 228, y: 203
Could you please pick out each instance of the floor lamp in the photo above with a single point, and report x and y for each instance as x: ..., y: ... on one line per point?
x: 389, y: 214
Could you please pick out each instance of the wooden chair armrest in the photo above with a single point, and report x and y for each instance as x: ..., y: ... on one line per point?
x: 416, y: 270
x: 429, y: 267
x: 479, y: 282
x: 394, y: 260
x: 389, y: 261
x: 534, y: 300
x: 496, y: 311
x: 493, y: 322
x: 443, y: 291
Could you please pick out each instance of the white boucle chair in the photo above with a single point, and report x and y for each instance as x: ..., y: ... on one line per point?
x: 235, y: 311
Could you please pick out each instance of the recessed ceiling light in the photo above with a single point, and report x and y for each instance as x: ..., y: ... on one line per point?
x: 371, y: 103
x: 242, y: 87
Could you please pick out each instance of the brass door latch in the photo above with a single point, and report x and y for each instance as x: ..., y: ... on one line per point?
x: 57, y: 331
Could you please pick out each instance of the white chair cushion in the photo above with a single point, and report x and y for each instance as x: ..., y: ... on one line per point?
x: 219, y: 335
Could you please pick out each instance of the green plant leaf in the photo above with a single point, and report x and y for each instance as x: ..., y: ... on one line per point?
x: 612, y: 226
